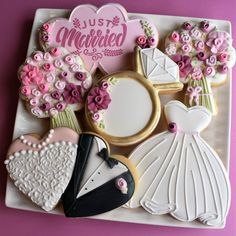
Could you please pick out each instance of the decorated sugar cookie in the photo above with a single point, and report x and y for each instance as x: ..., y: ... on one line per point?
x: 42, y: 168
x: 205, y: 56
x: 100, y: 182
x: 124, y: 107
x: 75, y: 168
x: 179, y: 173
x: 103, y: 37
x: 53, y: 84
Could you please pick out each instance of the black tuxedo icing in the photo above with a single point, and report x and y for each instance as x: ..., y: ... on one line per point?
x: 101, y: 199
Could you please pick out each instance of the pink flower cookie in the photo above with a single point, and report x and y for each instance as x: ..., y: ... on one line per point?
x: 204, y: 55
x: 104, y: 37
x: 54, y: 82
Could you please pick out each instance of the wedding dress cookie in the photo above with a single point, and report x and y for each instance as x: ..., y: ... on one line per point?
x: 179, y: 173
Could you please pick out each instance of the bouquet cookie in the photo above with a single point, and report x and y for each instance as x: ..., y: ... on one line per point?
x: 204, y: 55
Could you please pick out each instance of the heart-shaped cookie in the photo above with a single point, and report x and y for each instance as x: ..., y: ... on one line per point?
x: 77, y: 165
x: 104, y: 37
x: 99, y: 182
x: 41, y: 168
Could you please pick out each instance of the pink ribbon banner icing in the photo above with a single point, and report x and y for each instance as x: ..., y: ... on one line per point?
x: 104, y: 37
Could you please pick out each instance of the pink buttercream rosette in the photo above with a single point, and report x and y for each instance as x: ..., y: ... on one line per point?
x: 54, y: 83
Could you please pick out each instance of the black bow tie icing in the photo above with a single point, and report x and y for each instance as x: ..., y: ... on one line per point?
x: 104, y: 154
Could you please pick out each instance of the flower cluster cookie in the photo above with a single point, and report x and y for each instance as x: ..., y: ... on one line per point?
x: 204, y: 55
x: 54, y: 82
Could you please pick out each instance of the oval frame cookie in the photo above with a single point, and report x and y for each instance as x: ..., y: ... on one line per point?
x: 129, y: 138
x: 107, y: 111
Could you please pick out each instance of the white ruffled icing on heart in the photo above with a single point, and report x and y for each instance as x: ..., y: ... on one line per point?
x: 43, y: 175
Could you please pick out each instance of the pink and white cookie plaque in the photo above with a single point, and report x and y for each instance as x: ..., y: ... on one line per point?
x: 104, y: 37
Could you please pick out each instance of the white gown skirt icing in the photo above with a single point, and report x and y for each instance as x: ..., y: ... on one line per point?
x: 182, y: 175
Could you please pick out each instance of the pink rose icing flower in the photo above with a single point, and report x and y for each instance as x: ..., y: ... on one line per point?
x: 48, y: 67
x: 201, y: 56
x: 174, y: 37
x: 72, y: 94
x: 55, y: 52
x: 141, y: 40
x: 81, y: 76
x: 151, y: 41
x: 217, y: 41
x: 196, y: 73
x: 205, y: 26
x: 223, y: 69
x: 30, y: 74
x: 45, y: 38
x: 43, y: 87
x: 184, y: 63
x: 46, y: 27
x: 98, y: 99
x: 25, y: 90
x: 104, y: 85
x: 60, y: 106
x: 121, y: 184
x: 64, y: 75
x: 56, y: 95
x: 96, y: 116
x: 45, y: 106
x: 223, y: 57
x: 187, y: 26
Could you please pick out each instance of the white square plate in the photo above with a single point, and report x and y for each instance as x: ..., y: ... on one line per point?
x: 217, y: 134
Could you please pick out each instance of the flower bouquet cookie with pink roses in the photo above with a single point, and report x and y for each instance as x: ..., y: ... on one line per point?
x: 53, y: 84
x: 204, y: 55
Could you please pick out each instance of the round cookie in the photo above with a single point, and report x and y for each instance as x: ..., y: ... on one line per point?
x: 205, y: 55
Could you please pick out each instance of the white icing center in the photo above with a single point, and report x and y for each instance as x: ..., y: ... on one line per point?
x: 130, y: 109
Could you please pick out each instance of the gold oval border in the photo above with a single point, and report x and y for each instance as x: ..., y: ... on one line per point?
x: 151, y: 125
